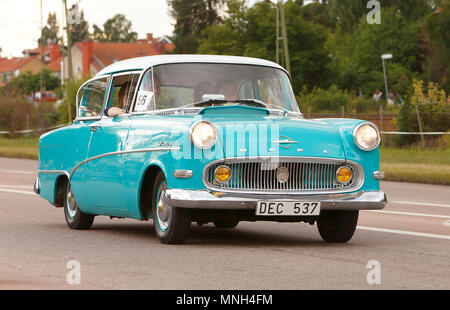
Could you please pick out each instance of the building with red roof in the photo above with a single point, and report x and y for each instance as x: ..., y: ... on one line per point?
x: 88, y: 58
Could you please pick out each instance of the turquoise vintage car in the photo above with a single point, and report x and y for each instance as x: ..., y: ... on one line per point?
x: 195, y: 138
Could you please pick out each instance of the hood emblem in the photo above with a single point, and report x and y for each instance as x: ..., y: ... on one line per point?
x: 284, y: 142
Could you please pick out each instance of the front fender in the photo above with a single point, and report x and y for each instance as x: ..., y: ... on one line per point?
x: 369, y: 160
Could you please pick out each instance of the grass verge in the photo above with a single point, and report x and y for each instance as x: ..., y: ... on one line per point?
x: 416, y: 165
x: 19, y: 147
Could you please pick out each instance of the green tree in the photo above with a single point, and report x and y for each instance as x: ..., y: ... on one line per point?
x: 50, y: 31
x: 251, y: 32
x: 192, y: 17
x: 356, y: 57
x: 28, y: 83
x: 115, y: 29
x: 348, y: 13
x: 437, y: 42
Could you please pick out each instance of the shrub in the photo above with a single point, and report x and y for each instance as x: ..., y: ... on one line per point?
x: 434, y: 110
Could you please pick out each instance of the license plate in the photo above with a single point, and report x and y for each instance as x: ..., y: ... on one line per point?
x: 288, y: 208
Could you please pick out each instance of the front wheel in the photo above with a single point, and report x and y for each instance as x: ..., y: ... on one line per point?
x: 75, y: 219
x: 337, y: 226
x: 172, y: 225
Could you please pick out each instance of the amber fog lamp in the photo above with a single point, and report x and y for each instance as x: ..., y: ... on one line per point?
x: 344, y: 175
x: 222, y: 174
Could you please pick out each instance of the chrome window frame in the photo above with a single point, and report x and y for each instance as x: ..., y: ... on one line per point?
x: 113, y: 76
x: 108, y: 89
x: 158, y: 111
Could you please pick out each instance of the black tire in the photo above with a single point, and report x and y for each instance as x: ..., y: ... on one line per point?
x: 172, y: 225
x: 337, y: 226
x: 226, y: 223
x: 75, y: 219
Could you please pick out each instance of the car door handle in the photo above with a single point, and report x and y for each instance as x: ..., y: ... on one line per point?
x: 94, y: 128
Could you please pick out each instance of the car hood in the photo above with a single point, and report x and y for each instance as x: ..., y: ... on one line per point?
x: 248, y: 131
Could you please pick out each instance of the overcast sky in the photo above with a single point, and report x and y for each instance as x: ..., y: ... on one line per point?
x: 20, y: 19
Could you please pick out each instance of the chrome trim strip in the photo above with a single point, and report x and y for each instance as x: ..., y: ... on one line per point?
x: 357, y: 168
x: 69, y: 175
x: 158, y: 149
x: 284, y: 141
x: 182, y: 174
x: 378, y: 175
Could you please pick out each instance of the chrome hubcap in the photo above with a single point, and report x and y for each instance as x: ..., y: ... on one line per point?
x: 71, y: 203
x: 163, y: 211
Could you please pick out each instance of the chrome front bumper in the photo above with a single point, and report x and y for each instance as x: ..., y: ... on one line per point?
x: 204, y: 199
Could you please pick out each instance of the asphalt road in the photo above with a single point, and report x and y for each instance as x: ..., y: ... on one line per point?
x: 409, y: 240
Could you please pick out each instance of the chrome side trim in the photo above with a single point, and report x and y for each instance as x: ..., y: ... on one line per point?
x: 182, y: 174
x: 378, y: 175
x: 69, y: 175
x: 157, y: 149
x: 357, y: 169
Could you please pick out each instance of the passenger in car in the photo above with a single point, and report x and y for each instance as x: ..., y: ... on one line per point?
x: 228, y: 89
x: 202, y: 88
x: 124, y: 94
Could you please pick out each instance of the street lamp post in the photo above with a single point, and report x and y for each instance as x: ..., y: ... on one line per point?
x: 383, y: 58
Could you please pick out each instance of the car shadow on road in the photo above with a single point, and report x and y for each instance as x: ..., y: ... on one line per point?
x: 207, y: 235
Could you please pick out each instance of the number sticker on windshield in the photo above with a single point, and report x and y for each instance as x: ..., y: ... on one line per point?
x: 143, y: 100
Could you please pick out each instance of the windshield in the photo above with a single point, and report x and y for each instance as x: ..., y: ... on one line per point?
x: 178, y: 85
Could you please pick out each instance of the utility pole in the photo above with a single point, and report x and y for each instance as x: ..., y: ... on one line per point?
x: 383, y: 58
x: 69, y: 60
x: 281, y: 23
x: 69, y: 43
x: 284, y: 36
x: 41, y: 43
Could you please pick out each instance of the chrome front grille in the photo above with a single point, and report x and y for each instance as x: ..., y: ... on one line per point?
x: 305, y: 176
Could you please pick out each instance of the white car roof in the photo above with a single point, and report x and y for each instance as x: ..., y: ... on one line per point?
x: 143, y: 63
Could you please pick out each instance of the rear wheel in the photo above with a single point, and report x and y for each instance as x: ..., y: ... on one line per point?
x: 172, y: 225
x: 337, y: 226
x: 75, y: 219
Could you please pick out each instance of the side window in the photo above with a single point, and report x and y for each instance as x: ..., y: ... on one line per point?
x: 91, y: 98
x: 122, y: 93
x: 146, y: 96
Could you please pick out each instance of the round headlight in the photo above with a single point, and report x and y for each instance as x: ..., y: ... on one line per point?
x: 203, y: 134
x: 367, y: 136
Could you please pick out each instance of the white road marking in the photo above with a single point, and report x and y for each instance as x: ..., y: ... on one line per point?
x: 410, y: 213
x: 18, y: 171
x: 403, y: 232
x: 422, y: 204
x: 16, y: 186
x: 18, y: 192
x: 446, y: 223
